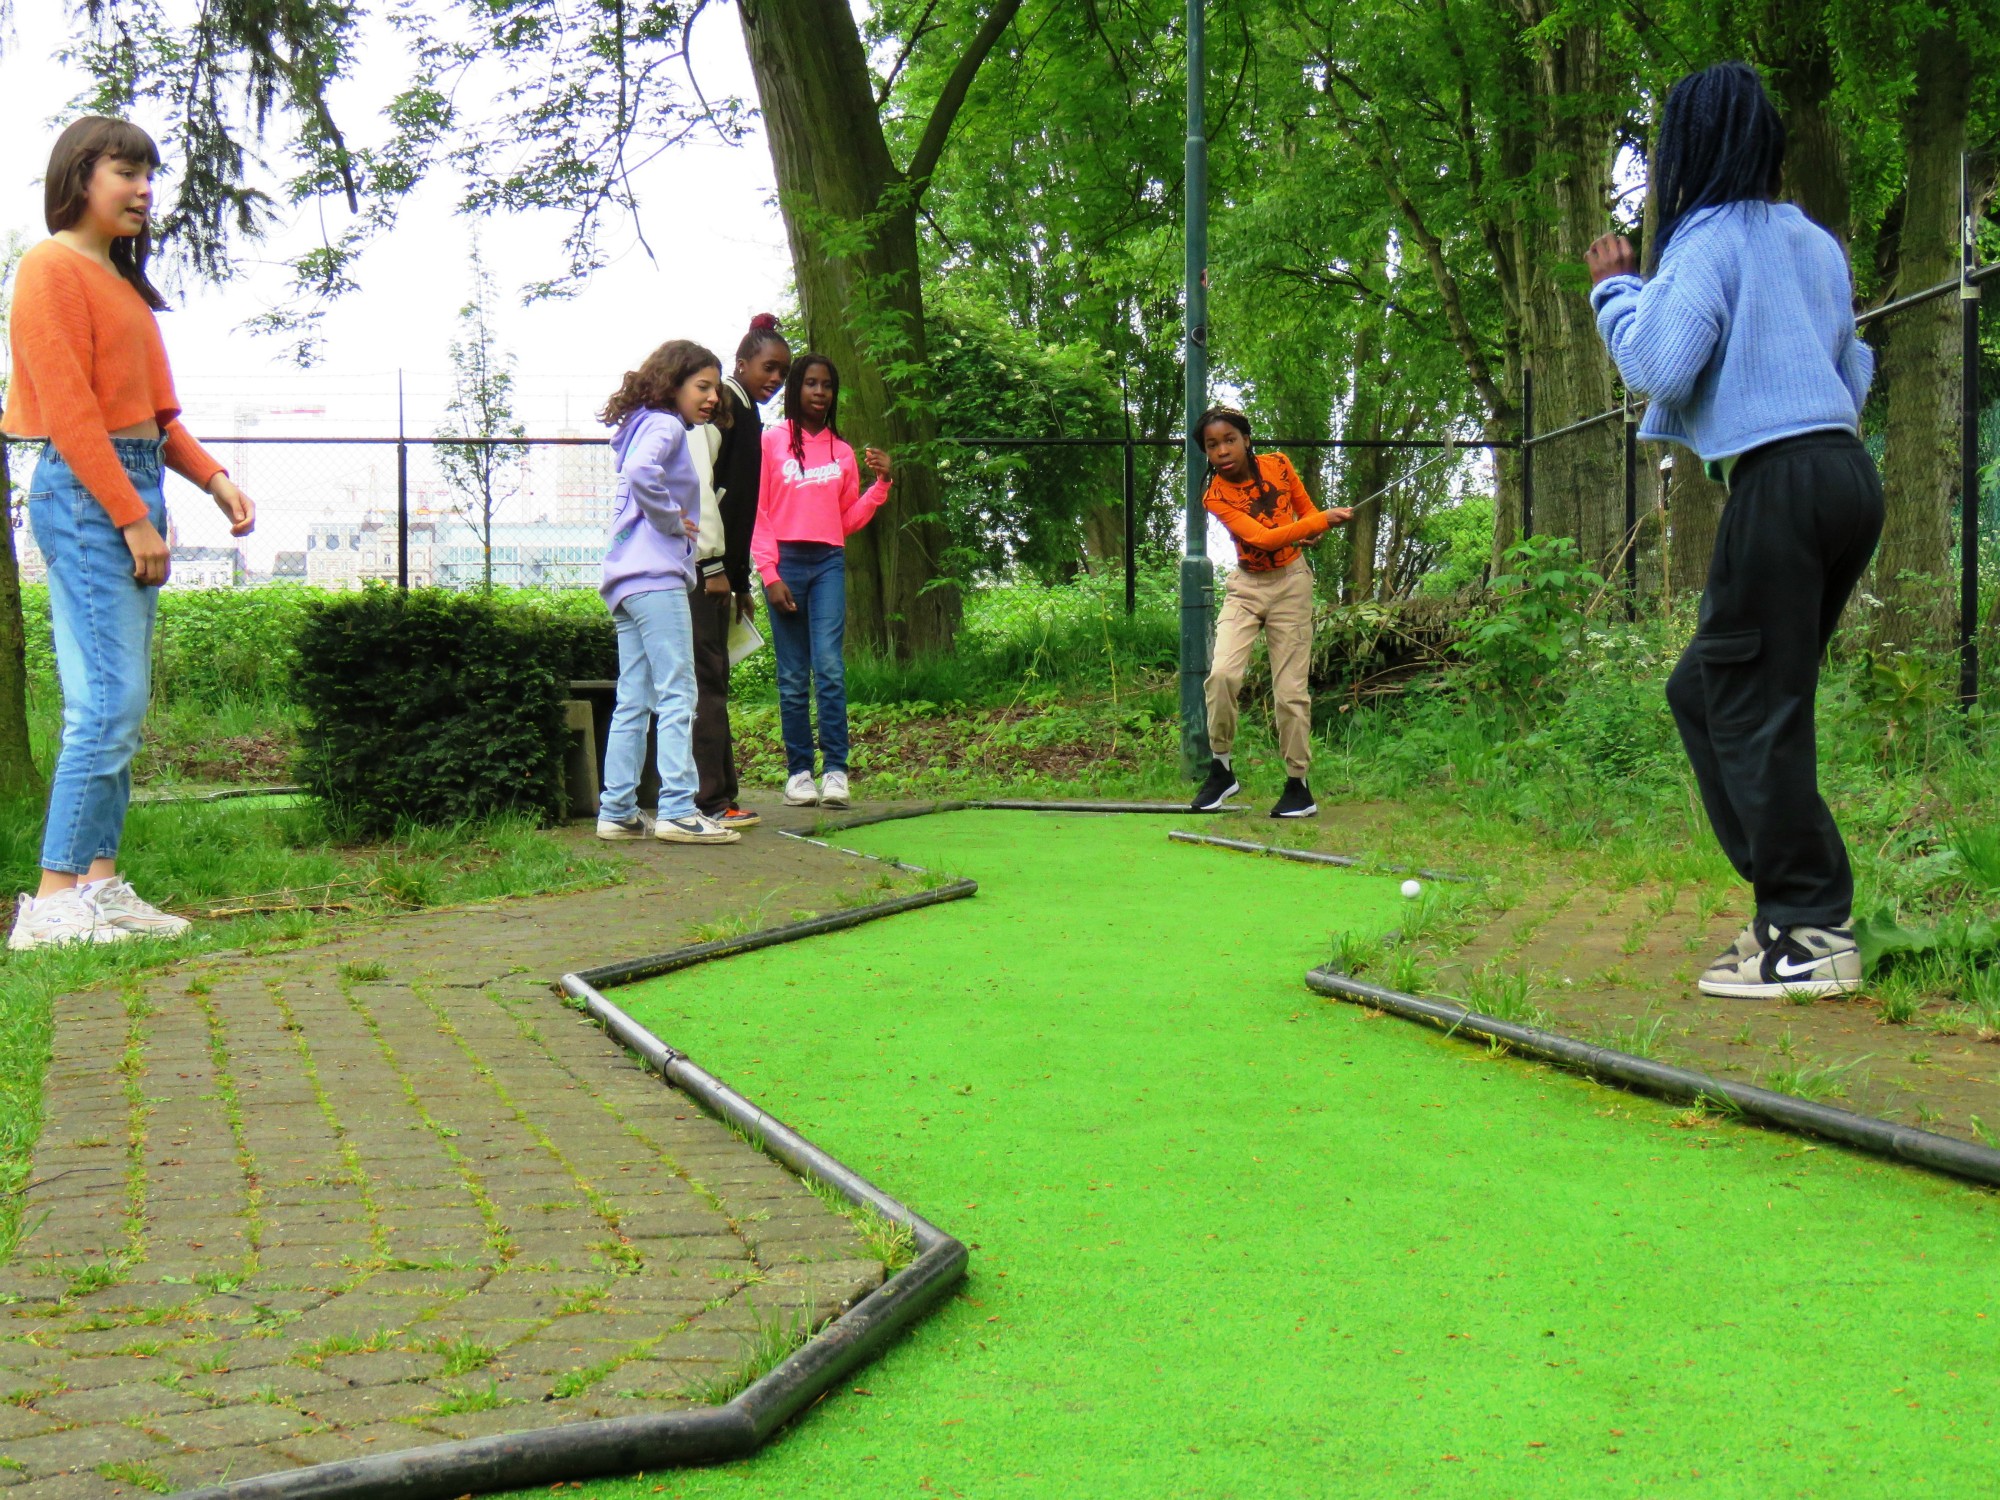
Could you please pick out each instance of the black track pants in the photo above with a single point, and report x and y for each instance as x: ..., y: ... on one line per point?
x: 714, y: 750
x: 1802, y: 520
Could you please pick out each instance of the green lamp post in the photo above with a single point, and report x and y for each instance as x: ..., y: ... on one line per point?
x: 1197, y: 577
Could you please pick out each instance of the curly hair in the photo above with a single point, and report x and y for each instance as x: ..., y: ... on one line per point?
x: 657, y: 383
x: 66, y: 189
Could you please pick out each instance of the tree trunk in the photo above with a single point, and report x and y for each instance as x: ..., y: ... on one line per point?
x: 1801, y: 62
x: 1578, y: 479
x: 18, y: 776
x: 851, y: 220
x: 1694, y: 510
x: 1919, y: 356
x: 1362, y: 469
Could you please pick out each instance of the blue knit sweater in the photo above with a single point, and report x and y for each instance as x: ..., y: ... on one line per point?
x: 1744, y: 335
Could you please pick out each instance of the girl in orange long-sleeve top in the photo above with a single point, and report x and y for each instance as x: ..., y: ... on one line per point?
x: 90, y: 379
x: 1260, y: 498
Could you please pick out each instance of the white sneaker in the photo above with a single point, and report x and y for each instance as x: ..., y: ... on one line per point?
x: 833, y: 789
x: 637, y: 826
x: 800, y: 791
x: 120, y: 906
x: 693, y: 829
x: 57, y: 918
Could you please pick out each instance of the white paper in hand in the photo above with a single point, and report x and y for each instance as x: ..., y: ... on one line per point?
x: 743, y: 639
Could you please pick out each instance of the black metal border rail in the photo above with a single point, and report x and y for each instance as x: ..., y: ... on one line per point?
x: 1902, y: 1143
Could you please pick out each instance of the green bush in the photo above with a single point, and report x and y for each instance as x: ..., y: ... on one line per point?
x: 432, y: 707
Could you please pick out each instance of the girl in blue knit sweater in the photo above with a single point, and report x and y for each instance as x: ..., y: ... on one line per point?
x: 1742, y: 335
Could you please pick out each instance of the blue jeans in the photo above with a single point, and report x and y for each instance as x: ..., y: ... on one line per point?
x: 655, y: 678
x: 810, y: 647
x: 102, y: 620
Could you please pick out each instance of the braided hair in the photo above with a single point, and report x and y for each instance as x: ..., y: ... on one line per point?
x: 1266, y: 502
x: 1721, y: 141
x: 795, y: 410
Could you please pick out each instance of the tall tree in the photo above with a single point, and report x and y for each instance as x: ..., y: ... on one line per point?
x: 851, y: 215
x: 18, y: 774
x: 485, y: 473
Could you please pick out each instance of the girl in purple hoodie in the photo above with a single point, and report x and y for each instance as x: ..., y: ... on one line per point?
x: 649, y: 570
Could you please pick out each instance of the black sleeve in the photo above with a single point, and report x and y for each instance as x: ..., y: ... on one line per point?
x: 739, y: 471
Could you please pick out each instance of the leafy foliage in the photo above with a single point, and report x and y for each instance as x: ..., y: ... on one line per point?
x: 1532, y: 620
x: 430, y: 707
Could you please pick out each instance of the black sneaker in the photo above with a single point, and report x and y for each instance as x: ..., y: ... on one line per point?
x: 1295, y: 801
x: 1218, y: 789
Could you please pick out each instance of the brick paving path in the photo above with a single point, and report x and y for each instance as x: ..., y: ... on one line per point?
x: 389, y: 1191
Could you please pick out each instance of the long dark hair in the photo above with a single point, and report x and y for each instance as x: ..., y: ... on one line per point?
x: 656, y: 383
x: 1721, y: 141
x: 66, y: 189
x: 795, y: 384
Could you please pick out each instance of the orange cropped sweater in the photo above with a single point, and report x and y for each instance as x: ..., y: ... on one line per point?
x: 88, y: 360
x: 1268, y: 515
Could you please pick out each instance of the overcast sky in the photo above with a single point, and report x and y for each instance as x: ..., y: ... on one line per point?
x: 707, y: 213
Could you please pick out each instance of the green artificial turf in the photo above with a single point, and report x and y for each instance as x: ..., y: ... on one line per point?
x: 1231, y: 1239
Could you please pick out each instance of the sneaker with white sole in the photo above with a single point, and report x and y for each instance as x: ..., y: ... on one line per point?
x: 1798, y: 963
x: 801, y: 790
x: 60, y: 917
x: 1296, y: 801
x: 121, y: 906
x: 693, y: 829
x: 1749, y: 943
x: 614, y: 829
x: 1218, y: 789
x: 833, y: 789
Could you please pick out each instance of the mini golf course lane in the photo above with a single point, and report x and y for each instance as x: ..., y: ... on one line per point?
x: 1232, y: 1240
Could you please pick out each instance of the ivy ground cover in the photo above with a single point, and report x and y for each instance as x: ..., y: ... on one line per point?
x: 1232, y: 1240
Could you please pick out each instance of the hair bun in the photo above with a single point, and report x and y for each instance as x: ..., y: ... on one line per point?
x: 764, y: 323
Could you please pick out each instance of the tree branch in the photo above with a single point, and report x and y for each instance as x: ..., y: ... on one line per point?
x: 931, y: 145
x: 918, y: 32
x: 1449, y: 295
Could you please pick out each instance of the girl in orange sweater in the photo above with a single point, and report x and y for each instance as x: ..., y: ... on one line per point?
x: 90, y: 379
x: 1258, y: 496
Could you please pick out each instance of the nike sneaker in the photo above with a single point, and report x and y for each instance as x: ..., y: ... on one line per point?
x: 1797, y: 963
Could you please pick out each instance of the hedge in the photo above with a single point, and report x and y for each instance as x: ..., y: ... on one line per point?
x: 435, y: 707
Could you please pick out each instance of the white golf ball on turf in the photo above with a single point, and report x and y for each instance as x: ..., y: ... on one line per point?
x: 1413, y: 889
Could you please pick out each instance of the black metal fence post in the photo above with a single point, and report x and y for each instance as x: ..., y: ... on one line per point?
x: 1968, y: 445
x: 1131, y: 533
x: 1527, y: 454
x: 1631, y: 509
x: 402, y: 494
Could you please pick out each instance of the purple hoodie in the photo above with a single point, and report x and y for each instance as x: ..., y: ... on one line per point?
x: 657, y: 489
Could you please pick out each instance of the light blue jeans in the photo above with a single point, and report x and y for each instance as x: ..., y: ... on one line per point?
x: 102, y: 620
x: 655, y: 679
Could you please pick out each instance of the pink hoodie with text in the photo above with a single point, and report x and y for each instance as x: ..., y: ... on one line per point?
x: 819, y: 500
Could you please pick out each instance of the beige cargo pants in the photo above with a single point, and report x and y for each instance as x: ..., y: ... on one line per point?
x: 1279, y: 603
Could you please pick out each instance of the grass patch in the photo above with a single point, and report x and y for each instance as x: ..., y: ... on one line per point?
x: 764, y: 1350
x: 462, y: 1400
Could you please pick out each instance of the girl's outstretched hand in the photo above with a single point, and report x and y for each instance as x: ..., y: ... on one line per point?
x: 779, y: 597
x: 879, y: 462
x: 1340, y: 515
x: 239, y: 507
x: 1611, y: 255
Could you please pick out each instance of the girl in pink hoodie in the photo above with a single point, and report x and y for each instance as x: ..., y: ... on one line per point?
x: 809, y: 504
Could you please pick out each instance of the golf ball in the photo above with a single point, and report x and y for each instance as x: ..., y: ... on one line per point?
x: 1413, y: 889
